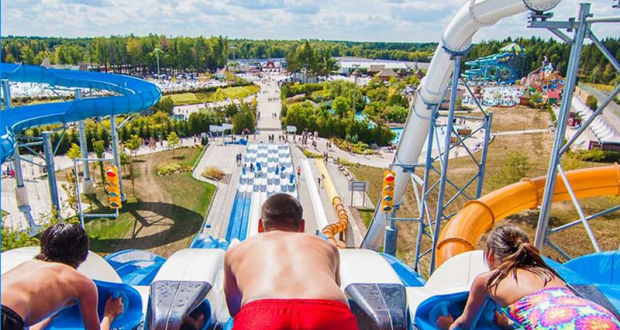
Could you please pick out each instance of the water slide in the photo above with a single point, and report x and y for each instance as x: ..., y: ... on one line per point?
x: 457, y: 37
x: 131, y: 95
x: 462, y: 233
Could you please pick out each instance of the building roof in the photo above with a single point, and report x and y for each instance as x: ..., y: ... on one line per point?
x: 387, y: 73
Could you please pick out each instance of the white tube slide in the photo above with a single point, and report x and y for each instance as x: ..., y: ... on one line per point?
x: 456, y: 38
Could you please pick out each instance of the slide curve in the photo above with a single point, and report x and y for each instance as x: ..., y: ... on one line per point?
x: 133, y: 95
x: 462, y: 233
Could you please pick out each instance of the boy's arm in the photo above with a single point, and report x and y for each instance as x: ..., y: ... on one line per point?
x: 88, y: 304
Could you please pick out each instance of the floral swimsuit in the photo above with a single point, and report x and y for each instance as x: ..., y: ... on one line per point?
x: 559, y: 309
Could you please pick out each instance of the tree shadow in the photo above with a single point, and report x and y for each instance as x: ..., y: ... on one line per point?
x: 185, y: 223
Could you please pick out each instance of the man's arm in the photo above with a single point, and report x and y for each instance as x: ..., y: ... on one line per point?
x: 337, y: 260
x: 231, y: 290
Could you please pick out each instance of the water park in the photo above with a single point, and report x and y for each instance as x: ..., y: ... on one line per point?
x: 409, y: 171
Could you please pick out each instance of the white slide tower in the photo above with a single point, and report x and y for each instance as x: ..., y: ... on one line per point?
x: 456, y: 38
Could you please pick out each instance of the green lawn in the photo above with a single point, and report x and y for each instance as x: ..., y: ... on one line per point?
x: 184, y: 98
x: 163, y: 216
x: 238, y: 92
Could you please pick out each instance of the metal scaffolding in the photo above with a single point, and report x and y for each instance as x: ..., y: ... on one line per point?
x: 581, y: 29
x: 431, y: 193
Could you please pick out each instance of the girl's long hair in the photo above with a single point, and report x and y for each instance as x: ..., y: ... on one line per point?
x: 512, y: 250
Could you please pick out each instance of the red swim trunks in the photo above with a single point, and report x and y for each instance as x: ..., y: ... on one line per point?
x: 295, y: 314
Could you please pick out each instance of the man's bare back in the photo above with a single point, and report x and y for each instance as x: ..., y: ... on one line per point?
x: 37, y: 289
x: 283, y: 265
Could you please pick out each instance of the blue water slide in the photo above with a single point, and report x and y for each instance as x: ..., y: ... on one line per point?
x: 71, y: 318
x: 132, y: 95
x: 135, y: 267
x: 245, y: 220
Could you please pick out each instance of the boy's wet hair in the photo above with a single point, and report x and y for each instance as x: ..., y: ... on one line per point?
x: 282, y: 210
x: 64, y: 243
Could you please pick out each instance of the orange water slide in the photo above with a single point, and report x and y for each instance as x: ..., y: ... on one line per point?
x: 463, y: 231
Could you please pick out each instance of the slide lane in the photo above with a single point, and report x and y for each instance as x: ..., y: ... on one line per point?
x: 463, y: 232
x: 134, y: 95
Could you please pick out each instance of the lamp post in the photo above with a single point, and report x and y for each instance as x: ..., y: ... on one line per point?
x: 157, y: 50
x: 356, y: 73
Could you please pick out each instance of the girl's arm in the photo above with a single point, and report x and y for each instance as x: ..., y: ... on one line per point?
x: 475, y: 302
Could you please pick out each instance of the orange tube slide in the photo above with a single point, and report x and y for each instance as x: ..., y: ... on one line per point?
x: 462, y: 233
x: 333, y: 229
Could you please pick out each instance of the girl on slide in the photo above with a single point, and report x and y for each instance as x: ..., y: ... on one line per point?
x: 531, y: 294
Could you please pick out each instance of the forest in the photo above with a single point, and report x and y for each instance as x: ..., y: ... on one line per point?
x: 134, y: 54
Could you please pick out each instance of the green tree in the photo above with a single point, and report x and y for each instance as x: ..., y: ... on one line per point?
x: 74, y: 152
x: 99, y: 148
x: 244, y: 119
x: 516, y: 168
x: 133, y: 144
x: 173, y: 141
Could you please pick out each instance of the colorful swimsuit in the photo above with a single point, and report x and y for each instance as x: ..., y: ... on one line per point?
x: 559, y: 309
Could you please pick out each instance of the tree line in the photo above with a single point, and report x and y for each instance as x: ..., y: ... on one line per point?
x: 180, y: 54
x: 130, y: 54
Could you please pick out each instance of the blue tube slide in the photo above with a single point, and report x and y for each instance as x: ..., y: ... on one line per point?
x: 133, y: 95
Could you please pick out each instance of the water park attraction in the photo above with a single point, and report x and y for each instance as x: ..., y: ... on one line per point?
x: 382, y: 291
x: 504, y: 67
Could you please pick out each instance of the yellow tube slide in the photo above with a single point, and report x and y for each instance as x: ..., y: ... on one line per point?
x: 462, y: 233
x: 343, y: 219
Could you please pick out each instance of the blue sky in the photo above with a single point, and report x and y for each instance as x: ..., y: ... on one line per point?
x: 359, y: 20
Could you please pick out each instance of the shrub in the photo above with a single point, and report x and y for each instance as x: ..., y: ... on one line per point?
x: 171, y: 168
x: 516, y: 167
x: 598, y: 156
x: 213, y: 173
x: 311, y: 154
x: 592, y: 102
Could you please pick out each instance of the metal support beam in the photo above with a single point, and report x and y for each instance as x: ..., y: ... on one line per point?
x: 446, y: 156
x: 21, y: 192
x: 6, y: 90
x: 571, y: 80
x: 485, y: 150
x: 116, y: 151
x: 51, y: 171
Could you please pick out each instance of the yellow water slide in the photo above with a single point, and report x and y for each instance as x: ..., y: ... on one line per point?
x: 462, y: 233
x: 343, y: 219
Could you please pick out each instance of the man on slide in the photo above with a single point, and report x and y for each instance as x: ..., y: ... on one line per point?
x: 35, y: 290
x: 284, y: 278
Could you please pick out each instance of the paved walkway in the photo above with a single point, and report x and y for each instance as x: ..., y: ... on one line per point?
x: 269, y: 105
x: 223, y: 158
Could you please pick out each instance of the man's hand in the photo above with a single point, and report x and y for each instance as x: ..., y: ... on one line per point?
x: 113, y: 308
x: 444, y: 322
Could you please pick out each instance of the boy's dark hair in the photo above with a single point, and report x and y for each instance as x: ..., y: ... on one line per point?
x: 512, y: 250
x: 64, y: 243
x: 282, y: 210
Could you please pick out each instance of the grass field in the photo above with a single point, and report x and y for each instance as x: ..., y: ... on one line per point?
x: 239, y: 92
x: 163, y: 215
x: 184, y: 98
x: 537, y: 147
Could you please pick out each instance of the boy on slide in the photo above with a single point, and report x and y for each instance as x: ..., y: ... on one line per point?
x: 284, y: 278
x: 37, y: 289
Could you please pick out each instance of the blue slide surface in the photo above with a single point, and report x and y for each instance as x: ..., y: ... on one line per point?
x: 132, y: 95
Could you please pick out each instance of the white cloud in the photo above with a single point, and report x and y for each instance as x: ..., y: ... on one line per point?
x: 362, y: 20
